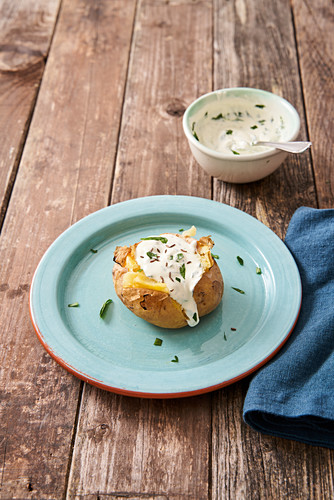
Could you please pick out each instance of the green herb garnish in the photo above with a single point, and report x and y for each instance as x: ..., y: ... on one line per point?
x: 218, y: 117
x: 258, y: 270
x: 214, y: 256
x: 225, y: 338
x: 195, y: 317
x: 178, y: 279
x: 93, y: 250
x: 254, y: 127
x: 238, y: 115
x: 180, y: 230
x: 229, y: 132
x: 158, y: 342
x: 151, y: 255
x: 104, y: 307
x: 75, y: 304
x: 175, y: 360
x: 183, y: 271
x: 156, y: 238
x: 240, y: 260
x: 235, y: 152
x: 261, y: 106
x: 238, y: 290
x: 261, y: 121
x: 179, y: 257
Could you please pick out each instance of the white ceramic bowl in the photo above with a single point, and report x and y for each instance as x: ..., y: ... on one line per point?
x: 244, y: 167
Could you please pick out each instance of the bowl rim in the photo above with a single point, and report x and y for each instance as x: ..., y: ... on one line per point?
x: 243, y: 157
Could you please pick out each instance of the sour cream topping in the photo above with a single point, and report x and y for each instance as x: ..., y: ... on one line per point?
x: 175, y: 263
x: 230, y: 126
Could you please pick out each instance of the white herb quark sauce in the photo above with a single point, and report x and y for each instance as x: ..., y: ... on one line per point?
x: 231, y: 125
x: 172, y: 261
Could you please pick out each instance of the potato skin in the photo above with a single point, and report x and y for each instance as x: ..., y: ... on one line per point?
x: 159, y: 308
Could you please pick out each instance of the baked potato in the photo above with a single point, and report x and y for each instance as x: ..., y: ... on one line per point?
x: 169, y: 280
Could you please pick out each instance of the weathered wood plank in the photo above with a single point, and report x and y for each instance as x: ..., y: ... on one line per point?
x: 166, y: 74
x: 153, y: 449
x: 252, y: 40
x: 255, y: 47
x: 141, y: 448
x: 314, y: 32
x: 65, y: 172
x: 26, y: 30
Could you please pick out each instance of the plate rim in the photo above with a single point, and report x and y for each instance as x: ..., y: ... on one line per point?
x: 143, y: 394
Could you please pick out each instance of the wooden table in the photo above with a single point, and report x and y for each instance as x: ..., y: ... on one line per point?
x: 91, y: 97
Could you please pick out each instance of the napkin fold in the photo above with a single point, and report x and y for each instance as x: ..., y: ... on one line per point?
x: 292, y: 396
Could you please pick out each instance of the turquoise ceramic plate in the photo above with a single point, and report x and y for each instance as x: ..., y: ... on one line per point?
x: 118, y: 352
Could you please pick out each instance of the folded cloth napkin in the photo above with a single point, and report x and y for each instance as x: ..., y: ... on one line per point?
x: 292, y: 396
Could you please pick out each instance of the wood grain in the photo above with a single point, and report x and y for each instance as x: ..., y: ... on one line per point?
x: 314, y: 32
x: 65, y: 172
x: 153, y: 449
x: 251, y: 41
x: 166, y: 75
x: 141, y: 448
x: 26, y: 30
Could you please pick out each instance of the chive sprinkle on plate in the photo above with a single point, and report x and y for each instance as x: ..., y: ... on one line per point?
x: 104, y: 307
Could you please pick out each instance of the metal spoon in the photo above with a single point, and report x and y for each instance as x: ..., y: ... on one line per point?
x: 291, y: 147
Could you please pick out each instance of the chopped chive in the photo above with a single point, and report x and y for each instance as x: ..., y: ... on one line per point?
x: 175, y: 360
x: 93, y: 250
x: 215, y: 256
x: 218, y: 117
x: 158, y: 341
x: 261, y: 121
x: 104, y: 307
x: 225, y: 338
x: 254, y: 127
x: 235, y: 152
x: 179, y: 257
x: 75, y: 304
x: 196, y: 136
x: 238, y: 290
x: 195, y: 317
x: 183, y: 271
x: 180, y: 230
x: 258, y: 270
x: 151, y: 255
x: 229, y: 132
x: 261, y: 106
x: 157, y: 238
x: 240, y: 260
x: 178, y: 279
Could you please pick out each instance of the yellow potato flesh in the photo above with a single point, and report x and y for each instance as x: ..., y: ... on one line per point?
x: 140, y: 280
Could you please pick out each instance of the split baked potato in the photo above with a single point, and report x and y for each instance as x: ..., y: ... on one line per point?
x: 169, y: 280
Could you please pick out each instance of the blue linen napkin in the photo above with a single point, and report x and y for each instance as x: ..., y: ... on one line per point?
x: 292, y: 396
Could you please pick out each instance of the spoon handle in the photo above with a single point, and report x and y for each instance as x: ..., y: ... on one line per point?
x: 290, y: 147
